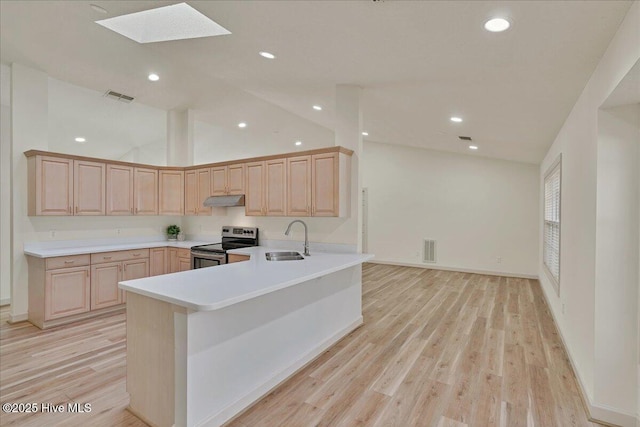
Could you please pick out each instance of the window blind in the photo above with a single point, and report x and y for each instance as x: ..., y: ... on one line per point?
x: 551, y: 246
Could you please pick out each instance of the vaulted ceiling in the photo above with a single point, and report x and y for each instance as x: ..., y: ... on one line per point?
x: 418, y: 62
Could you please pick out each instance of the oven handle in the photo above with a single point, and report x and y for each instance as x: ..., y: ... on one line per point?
x: 208, y: 254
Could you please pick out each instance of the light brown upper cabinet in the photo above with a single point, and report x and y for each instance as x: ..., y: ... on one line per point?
x: 50, y: 184
x: 330, y: 189
x: 197, y: 189
x: 275, y: 187
x: 299, y: 186
x: 227, y: 180
x: 88, y: 188
x: 171, y: 197
x: 145, y: 191
x: 254, y: 185
x: 119, y: 190
x: 310, y: 183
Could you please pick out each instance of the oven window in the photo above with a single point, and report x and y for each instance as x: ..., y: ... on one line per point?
x: 204, y: 262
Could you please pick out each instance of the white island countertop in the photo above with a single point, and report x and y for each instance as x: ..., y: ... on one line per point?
x: 213, y: 288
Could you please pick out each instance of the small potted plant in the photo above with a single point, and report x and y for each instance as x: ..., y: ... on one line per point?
x: 172, y: 232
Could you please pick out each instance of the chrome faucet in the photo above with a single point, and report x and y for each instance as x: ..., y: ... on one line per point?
x: 306, y: 235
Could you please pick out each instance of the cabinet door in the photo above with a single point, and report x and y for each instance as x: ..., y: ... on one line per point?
x: 54, y: 186
x: 171, y: 199
x: 219, y: 181
x: 157, y: 261
x: 299, y: 186
x: 324, y: 184
x: 145, y: 186
x: 119, y: 190
x: 184, y: 264
x: 173, y: 266
x: 104, y: 285
x: 254, y: 200
x: 67, y: 292
x: 235, y: 179
x: 131, y: 270
x: 89, y: 187
x: 204, y: 190
x: 190, y: 193
x: 275, y: 188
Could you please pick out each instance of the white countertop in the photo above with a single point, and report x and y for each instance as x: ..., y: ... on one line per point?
x: 75, y: 249
x: 213, y: 288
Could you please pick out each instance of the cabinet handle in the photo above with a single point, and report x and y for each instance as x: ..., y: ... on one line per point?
x: 125, y: 267
x: 69, y: 209
x: 313, y: 210
x: 106, y: 258
x: 131, y: 211
x: 136, y: 210
x: 69, y: 262
x: 88, y: 272
x: 76, y: 209
x: 120, y: 268
x: 137, y: 254
x: 308, y: 209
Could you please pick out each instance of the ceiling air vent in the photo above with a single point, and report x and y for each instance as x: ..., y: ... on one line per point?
x: 465, y: 138
x: 118, y: 96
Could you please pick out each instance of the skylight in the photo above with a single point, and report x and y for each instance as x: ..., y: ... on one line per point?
x: 175, y: 22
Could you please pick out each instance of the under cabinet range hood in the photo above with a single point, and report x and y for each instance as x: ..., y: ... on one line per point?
x: 224, y: 201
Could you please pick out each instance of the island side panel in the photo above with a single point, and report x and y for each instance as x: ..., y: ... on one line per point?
x: 239, y: 353
x: 151, y: 359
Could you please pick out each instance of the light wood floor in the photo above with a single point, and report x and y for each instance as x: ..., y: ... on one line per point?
x: 437, y: 349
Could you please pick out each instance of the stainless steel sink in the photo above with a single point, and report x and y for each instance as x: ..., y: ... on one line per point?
x: 283, y: 256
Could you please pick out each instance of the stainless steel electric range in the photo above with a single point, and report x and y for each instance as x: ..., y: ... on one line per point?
x: 216, y: 254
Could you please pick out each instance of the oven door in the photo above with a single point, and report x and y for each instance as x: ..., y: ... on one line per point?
x: 207, y: 259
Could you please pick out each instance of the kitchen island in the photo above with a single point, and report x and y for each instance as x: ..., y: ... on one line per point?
x: 202, y: 345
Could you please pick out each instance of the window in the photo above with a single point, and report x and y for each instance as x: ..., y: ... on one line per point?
x: 551, y: 244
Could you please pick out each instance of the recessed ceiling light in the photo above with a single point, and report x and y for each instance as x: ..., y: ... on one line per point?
x: 242, y: 125
x: 317, y: 108
x: 98, y: 8
x: 80, y: 139
x: 365, y: 133
x: 497, y: 25
x: 267, y: 55
x: 174, y: 22
x: 473, y: 147
x: 154, y: 77
x: 298, y: 142
x: 456, y: 119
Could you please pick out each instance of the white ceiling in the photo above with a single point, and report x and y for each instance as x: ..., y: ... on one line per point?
x: 418, y: 62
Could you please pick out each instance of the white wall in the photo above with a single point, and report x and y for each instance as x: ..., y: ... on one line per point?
x: 477, y: 209
x: 31, y: 127
x: 577, y: 140
x: 616, y: 275
x: 5, y: 184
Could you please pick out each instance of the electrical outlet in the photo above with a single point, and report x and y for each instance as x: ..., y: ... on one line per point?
x: 562, y: 308
x: 52, y: 233
x: 499, y: 260
x: 417, y: 254
x: 117, y: 231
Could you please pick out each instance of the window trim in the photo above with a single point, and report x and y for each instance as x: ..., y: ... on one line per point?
x: 550, y: 170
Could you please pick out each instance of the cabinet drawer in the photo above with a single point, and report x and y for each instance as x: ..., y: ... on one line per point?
x: 119, y: 256
x: 184, y: 253
x: 237, y: 258
x: 67, y: 261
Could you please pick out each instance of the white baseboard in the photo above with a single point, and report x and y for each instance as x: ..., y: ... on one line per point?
x: 5, y: 301
x: 242, y: 404
x: 597, y: 413
x: 16, y: 318
x: 463, y: 270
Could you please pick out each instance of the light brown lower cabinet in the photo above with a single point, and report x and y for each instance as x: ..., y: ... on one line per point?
x: 179, y: 260
x: 69, y: 288
x: 237, y: 258
x: 66, y: 292
x: 158, y: 261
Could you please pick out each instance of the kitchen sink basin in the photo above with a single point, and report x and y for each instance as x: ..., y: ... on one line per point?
x: 283, y: 256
